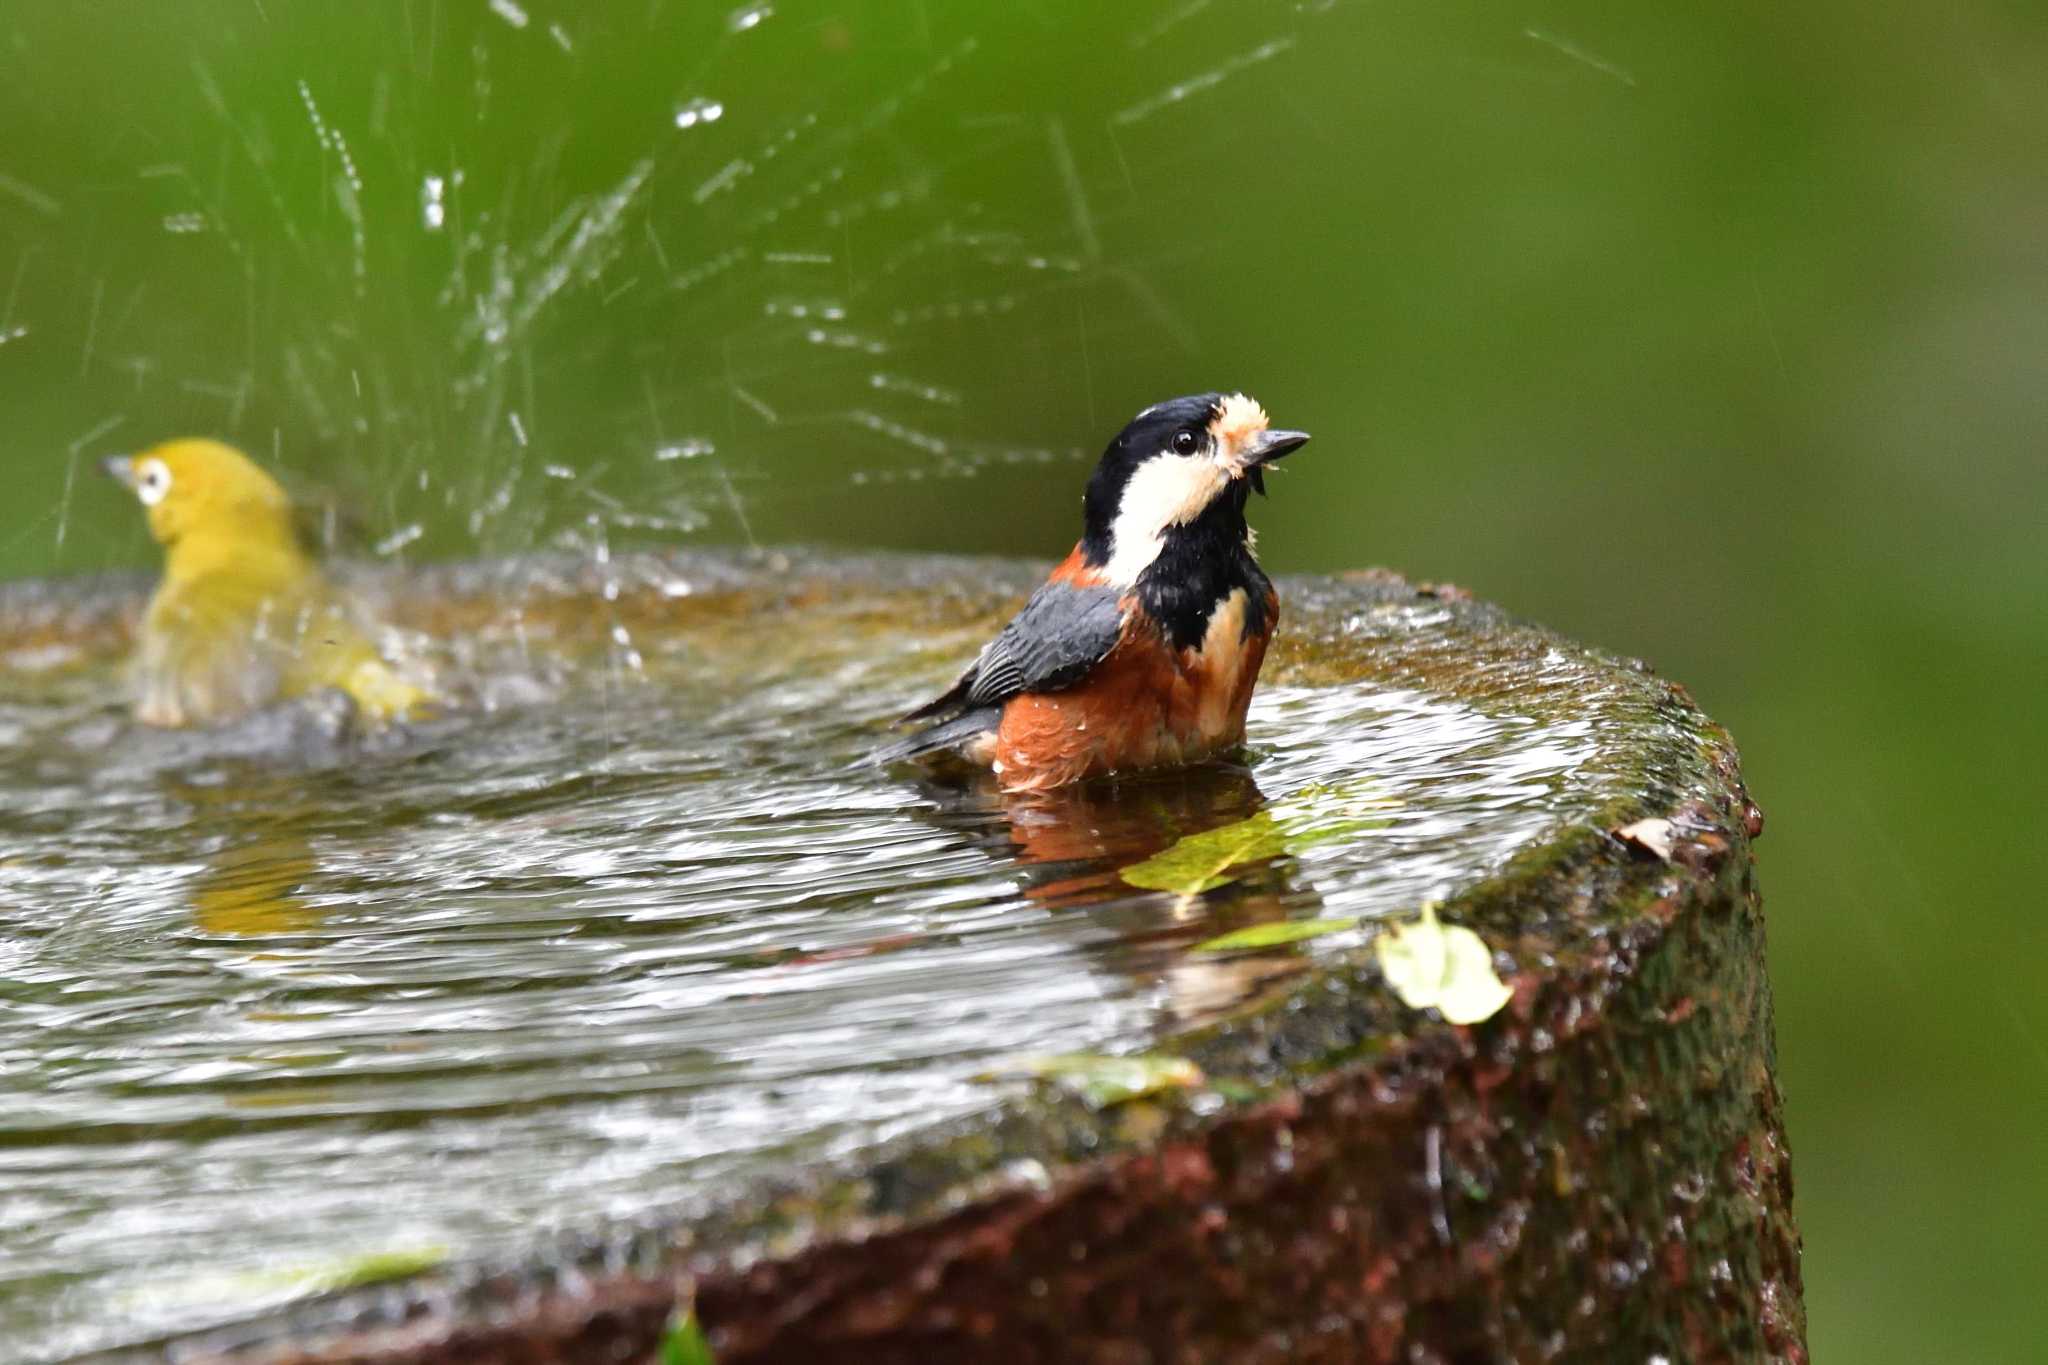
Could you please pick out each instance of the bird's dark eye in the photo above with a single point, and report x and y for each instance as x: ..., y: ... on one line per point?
x: 1185, y: 443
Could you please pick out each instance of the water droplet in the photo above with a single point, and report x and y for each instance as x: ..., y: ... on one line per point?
x: 399, y: 539
x: 699, y: 111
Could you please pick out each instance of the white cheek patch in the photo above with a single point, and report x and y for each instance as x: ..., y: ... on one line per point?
x: 152, y: 481
x: 1163, y: 492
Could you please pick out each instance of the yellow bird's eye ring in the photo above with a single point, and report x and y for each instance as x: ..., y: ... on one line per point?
x: 152, y: 481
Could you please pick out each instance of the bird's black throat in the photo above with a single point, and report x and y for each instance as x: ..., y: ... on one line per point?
x: 1198, y: 566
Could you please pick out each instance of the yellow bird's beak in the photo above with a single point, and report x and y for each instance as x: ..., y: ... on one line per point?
x: 121, y: 468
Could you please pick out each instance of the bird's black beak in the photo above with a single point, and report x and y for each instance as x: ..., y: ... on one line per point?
x: 1269, y: 446
x: 119, y: 467
x: 1265, y: 448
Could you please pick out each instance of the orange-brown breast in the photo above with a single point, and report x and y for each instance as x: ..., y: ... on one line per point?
x: 1146, y: 705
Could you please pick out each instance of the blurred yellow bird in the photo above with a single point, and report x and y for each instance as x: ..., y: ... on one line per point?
x: 243, y: 616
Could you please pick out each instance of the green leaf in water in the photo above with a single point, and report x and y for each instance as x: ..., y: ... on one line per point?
x: 1202, y: 862
x: 1102, y: 1081
x: 1274, y: 934
x: 351, y: 1272
x: 1448, y: 967
x: 319, y: 1277
x: 379, y: 1266
x: 1216, y: 857
x: 682, y: 1341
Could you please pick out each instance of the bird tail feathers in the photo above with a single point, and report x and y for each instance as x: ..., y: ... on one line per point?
x: 952, y: 734
x: 949, y: 700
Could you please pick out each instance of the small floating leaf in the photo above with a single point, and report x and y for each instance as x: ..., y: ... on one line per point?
x: 1102, y: 1081
x: 682, y: 1341
x: 1450, y: 968
x: 1274, y: 934
x: 350, y: 1272
x: 320, y: 1277
x: 379, y: 1266
x: 1314, y: 815
x: 1202, y: 862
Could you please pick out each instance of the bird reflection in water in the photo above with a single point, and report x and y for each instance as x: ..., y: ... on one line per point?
x: 254, y: 880
x: 250, y: 889
x: 1076, y: 842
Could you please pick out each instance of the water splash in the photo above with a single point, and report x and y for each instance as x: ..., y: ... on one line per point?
x: 1195, y: 85
x: 433, y: 202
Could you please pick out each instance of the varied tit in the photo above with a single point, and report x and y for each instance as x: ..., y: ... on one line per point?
x: 242, y: 617
x: 1141, y: 649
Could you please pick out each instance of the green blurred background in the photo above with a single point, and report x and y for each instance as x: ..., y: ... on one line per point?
x: 1712, y: 333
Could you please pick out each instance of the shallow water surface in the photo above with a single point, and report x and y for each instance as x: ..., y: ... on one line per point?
x: 610, y: 951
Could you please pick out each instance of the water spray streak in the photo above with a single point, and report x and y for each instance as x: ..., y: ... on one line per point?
x: 1195, y: 85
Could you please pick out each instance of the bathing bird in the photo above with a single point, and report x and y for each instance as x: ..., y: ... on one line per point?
x: 1141, y: 649
x: 242, y: 617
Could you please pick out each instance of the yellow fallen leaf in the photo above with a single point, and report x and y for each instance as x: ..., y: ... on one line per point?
x: 1652, y: 836
x: 1430, y: 965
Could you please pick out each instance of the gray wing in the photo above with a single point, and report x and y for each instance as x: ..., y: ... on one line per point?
x: 1061, y: 633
